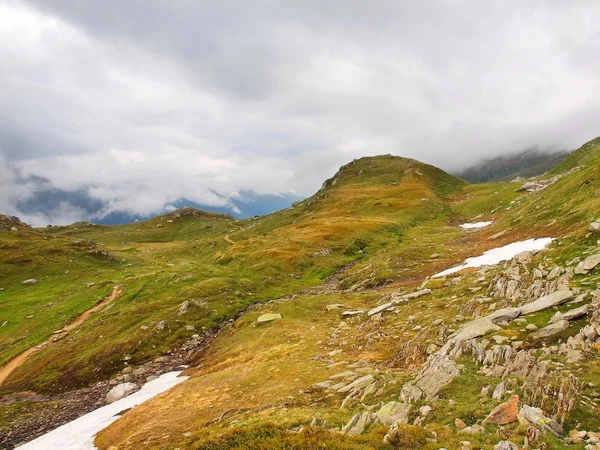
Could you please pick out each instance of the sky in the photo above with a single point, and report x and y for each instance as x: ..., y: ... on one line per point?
x: 134, y: 104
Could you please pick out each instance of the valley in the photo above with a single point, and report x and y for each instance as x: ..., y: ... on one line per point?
x: 372, y: 342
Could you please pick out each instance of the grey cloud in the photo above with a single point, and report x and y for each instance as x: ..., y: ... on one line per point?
x: 137, y: 104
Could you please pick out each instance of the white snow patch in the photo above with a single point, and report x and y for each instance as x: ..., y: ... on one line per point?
x: 468, y: 226
x: 499, y: 254
x: 80, y: 433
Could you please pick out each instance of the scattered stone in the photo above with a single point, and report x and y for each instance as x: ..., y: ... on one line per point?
x: 504, y: 413
x: 499, y: 339
x: 551, y: 330
x: 594, y: 226
x: 183, y: 308
x: 475, y: 329
x: 120, y: 391
x: 266, y: 318
x: 531, y: 327
x: 161, y: 325
x: 505, y: 445
x: 30, y: 281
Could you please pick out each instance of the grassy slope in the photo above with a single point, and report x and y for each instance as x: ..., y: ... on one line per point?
x: 388, y: 214
x: 255, y: 382
x: 366, y: 208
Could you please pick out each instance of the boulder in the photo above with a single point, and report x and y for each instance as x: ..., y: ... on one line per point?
x: 547, y: 301
x: 535, y: 416
x: 392, y: 413
x: 474, y: 329
x: 504, y: 413
x: 570, y: 314
x: 120, y: 391
x: 266, y: 318
x: 551, y: 330
x: 503, y: 315
x: 587, y: 264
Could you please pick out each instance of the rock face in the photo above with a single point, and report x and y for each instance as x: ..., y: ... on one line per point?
x: 551, y: 330
x: 266, y: 318
x: 536, y: 417
x: 547, y: 301
x: 120, y: 391
x: 438, y: 372
x: 504, y: 413
x: 588, y: 264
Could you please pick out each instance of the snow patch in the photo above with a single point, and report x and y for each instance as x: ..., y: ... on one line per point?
x: 80, y: 433
x: 499, y: 254
x: 468, y: 226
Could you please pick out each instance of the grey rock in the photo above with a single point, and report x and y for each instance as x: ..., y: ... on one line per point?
x: 503, y: 315
x: 437, y: 373
x: 322, y: 384
x: 536, y: 417
x: 505, y: 445
x: 551, y: 330
x: 547, y: 301
x: 379, y: 309
x: 475, y: 329
x: 588, y: 264
x: 499, y: 391
x: 120, y: 391
x: 360, y: 383
x: 570, y: 314
x: 531, y: 327
x: 392, y: 413
x: 594, y: 226
x: 357, y: 424
x: 30, y: 281
x: 266, y: 318
x: 352, y: 313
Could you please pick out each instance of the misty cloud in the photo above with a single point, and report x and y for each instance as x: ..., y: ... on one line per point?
x: 136, y: 105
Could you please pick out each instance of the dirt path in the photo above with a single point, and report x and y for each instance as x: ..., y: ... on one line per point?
x: 18, y: 361
x: 226, y: 237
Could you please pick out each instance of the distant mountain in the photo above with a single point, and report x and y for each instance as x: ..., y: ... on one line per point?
x: 248, y: 204
x: 524, y: 164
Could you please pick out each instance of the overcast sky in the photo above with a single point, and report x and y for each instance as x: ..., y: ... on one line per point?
x: 140, y: 102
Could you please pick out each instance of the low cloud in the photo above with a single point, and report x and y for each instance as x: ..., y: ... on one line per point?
x: 137, y: 106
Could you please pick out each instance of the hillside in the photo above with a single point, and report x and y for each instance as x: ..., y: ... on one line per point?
x: 525, y: 164
x: 367, y: 343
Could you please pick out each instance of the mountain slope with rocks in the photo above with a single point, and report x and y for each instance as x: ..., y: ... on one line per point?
x: 323, y: 324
